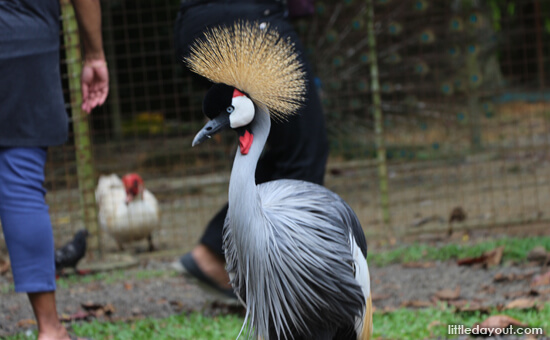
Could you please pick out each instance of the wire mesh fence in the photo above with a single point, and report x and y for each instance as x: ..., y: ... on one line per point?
x: 464, y: 103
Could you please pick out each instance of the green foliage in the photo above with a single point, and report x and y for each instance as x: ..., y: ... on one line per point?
x: 495, y: 11
x: 515, y: 249
x: 511, y: 8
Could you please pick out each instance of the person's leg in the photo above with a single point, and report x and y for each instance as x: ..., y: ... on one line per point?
x: 28, y: 233
x: 208, y: 254
x: 212, y: 237
x: 206, y: 260
x: 211, y: 265
x: 49, y: 327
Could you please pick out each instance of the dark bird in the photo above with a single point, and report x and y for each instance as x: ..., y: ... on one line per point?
x: 295, y: 251
x: 457, y: 215
x: 72, y: 252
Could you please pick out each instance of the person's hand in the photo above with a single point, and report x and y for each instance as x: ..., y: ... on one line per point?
x: 95, y: 83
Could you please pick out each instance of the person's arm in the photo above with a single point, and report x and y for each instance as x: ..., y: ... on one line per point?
x: 95, y: 76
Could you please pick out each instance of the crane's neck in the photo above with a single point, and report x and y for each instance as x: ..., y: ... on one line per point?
x: 243, y: 194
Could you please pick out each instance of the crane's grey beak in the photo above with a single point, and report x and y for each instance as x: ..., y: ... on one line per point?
x: 211, y: 128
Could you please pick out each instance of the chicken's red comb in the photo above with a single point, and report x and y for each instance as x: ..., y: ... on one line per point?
x: 130, y: 179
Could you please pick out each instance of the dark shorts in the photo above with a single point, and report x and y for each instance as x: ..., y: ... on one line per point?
x: 32, y: 109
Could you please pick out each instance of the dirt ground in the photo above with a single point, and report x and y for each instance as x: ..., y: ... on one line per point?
x: 413, y: 285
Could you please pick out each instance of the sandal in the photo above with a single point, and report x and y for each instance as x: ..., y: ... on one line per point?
x: 190, y: 270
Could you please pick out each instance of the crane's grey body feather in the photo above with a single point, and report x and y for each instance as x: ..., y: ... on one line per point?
x: 302, y: 264
x: 288, y: 251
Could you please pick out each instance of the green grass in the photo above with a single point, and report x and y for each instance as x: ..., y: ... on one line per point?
x: 182, y: 327
x: 515, y: 249
x: 193, y: 326
x: 431, y: 323
x: 403, y: 324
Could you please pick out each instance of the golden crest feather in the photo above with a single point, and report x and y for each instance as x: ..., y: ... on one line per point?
x: 254, y: 59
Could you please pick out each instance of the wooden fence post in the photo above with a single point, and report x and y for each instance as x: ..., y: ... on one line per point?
x: 81, y: 131
x: 378, y: 122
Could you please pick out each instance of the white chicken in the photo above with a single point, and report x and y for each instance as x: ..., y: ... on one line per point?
x: 127, y: 211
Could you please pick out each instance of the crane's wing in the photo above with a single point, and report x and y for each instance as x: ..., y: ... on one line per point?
x: 320, y: 201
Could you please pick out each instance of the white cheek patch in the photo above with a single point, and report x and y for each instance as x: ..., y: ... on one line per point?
x: 243, y: 113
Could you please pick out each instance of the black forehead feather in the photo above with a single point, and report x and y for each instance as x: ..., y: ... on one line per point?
x: 217, y: 99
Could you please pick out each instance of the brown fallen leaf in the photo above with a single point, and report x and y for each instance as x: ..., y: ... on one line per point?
x: 516, y: 294
x: 501, y: 277
x: 109, y: 309
x: 468, y: 261
x: 521, y: 303
x: 448, y: 294
x: 464, y: 306
x: 488, y: 289
x: 26, y: 323
x: 494, y: 256
x: 500, y: 321
x: 538, y: 254
x: 89, y: 305
x: 4, y: 266
x: 128, y: 286
x: 488, y: 259
x: 417, y: 304
x: 97, y: 309
x: 80, y: 315
x: 506, y: 277
x: 541, y: 280
x: 418, y: 265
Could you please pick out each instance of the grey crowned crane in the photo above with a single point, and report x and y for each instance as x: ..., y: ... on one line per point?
x: 295, y: 251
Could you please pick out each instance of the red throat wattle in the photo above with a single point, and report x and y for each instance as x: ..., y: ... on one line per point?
x: 245, y: 142
x: 133, y: 184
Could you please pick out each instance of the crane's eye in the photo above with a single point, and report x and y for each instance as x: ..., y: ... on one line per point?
x: 230, y: 109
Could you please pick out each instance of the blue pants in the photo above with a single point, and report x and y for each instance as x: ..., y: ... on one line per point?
x: 25, y: 218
